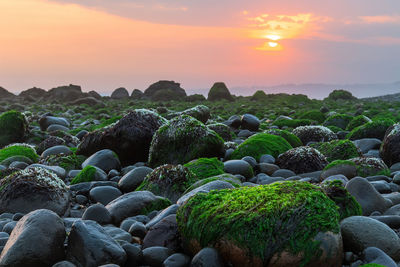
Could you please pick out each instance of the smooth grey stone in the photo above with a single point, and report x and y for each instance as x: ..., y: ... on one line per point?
x: 104, y: 194
x: 56, y: 150
x: 337, y: 177
x: 164, y: 213
x: 214, y: 185
x: 104, y: 159
x: 267, y: 159
x: 97, y: 213
x: 117, y: 233
x: 393, y: 221
x: 130, y: 181
x: 381, y: 186
x: 164, y: 233
x: 250, y: 122
x: 366, y: 144
x: 252, y: 161
x: 155, y: 256
x: 138, y: 229
x: 57, y: 127
x: 134, y: 255
x: 283, y: 173
x: 177, y: 260
x: 378, y: 178
x: 64, y: 264
x: 85, y: 187
x: 238, y: 167
x: 377, y: 256
x: 207, y: 257
x: 394, y: 197
x: 267, y: 168
x: 270, y: 180
x: 18, y: 165
x: 81, y: 199
x: 9, y: 227
x: 56, y: 169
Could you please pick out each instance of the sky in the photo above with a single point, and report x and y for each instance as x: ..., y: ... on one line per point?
x: 105, y: 44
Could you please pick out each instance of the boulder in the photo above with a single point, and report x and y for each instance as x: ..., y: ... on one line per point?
x: 390, y: 149
x: 314, y: 134
x: 120, y: 93
x: 219, y: 91
x: 165, y: 90
x: 302, y: 160
x: 13, y: 127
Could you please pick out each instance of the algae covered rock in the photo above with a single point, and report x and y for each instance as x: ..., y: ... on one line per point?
x: 390, y: 149
x: 338, y: 120
x: 341, y: 95
x: 205, y: 167
x: 200, y: 112
x: 357, y: 121
x: 373, y: 129
x: 223, y: 130
x: 34, y: 188
x: 13, y: 127
x: 89, y: 174
x: 219, y: 91
x: 293, y: 140
x: 281, y: 219
x: 165, y: 90
x: 368, y: 166
x: 130, y: 137
x: 314, y: 134
x: 314, y: 115
x: 13, y: 150
x: 261, y: 144
x: 302, y: 160
x: 169, y: 181
x: 337, y: 150
x: 183, y: 139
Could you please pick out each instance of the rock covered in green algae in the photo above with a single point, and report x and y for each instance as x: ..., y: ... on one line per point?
x: 252, y: 225
x: 13, y: 127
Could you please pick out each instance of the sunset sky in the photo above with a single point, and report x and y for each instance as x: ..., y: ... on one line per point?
x: 105, y: 44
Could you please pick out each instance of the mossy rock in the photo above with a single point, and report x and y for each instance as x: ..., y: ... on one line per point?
x: 370, y: 167
x: 88, y: 174
x: 314, y: 115
x: 19, y: 158
x: 341, y: 95
x: 259, y: 95
x: 18, y: 150
x: 357, y: 121
x: 183, y: 139
x: 261, y: 144
x: 205, y: 167
x: 230, y: 178
x: 372, y: 265
x: 169, y: 181
x: 13, y: 127
x: 223, y: 130
x: 253, y: 225
x: 70, y: 162
x: 338, y: 120
x: 293, y: 140
x: 314, y: 134
x: 302, y: 159
x: 334, y: 129
x: 373, y: 129
x: 339, y: 162
x: 337, y: 149
x: 292, y: 123
x: 348, y: 205
x: 219, y: 91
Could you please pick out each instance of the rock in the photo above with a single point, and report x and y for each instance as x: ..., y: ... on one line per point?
x: 138, y: 229
x: 90, y: 101
x: 239, y: 167
x: 118, y: 234
x: 347, y: 169
x: 370, y: 167
x: 33, y: 93
x: 314, y: 134
x: 135, y: 203
x: 55, y: 150
x: 44, y: 188
x: 134, y: 255
x: 302, y: 160
x: 64, y: 264
x: 136, y: 94
x: 199, y: 112
x: 104, y: 194
x: 120, y: 93
x: 223, y: 130
x: 197, y: 224
x: 393, y: 221
x: 219, y: 91
x: 165, y: 90
x: 390, y: 148
x: 85, y: 187
x: 169, y: 181
x: 164, y: 234
x: 60, y: 172
x: 56, y: 127
x: 163, y: 214
x: 155, y: 256
x: 250, y: 122
x: 267, y: 159
x: 104, y: 159
x: 361, y: 232
x: 130, y: 181
x: 183, y: 139
x: 130, y: 137
x: 97, y: 213
x: 177, y: 260
x: 90, y: 245
x: 367, y: 144
x: 207, y: 257
x: 377, y: 256
x: 338, y: 120
x: 65, y: 93
x: 365, y: 194
x: 337, y: 150
x: 46, y: 121
x: 13, y: 127
x: 394, y: 210
x: 373, y: 129
x: 5, y: 94
x: 89, y: 174
x: 37, y: 240
x: 49, y: 142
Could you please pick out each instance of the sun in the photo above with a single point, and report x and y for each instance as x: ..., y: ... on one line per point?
x: 272, y: 44
x: 273, y: 37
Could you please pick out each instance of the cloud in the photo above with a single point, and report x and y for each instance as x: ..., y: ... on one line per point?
x: 380, y: 19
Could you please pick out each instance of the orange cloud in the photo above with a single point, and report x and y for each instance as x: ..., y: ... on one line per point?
x: 380, y: 19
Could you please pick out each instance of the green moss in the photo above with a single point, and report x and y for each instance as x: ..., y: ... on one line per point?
x: 205, y: 167
x: 19, y: 150
x: 86, y: 175
x: 334, y: 129
x: 357, y: 121
x: 337, y: 149
x: 372, y: 265
x: 260, y: 144
x: 70, y: 162
x: 338, y: 120
x: 373, y: 129
x: 292, y: 123
x: 339, y: 162
x: 341, y: 94
x: 293, y: 140
x: 314, y: 115
x: 13, y: 127
x: 263, y: 220
x: 348, y: 205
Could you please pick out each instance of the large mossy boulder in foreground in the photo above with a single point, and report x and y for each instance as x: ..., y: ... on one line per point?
x: 219, y: 91
x: 183, y: 139
x: 390, y: 149
x: 205, y: 167
x: 130, y: 137
x: 13, y: 127
x: 282, y: 224
x: 261, y: 144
